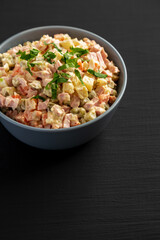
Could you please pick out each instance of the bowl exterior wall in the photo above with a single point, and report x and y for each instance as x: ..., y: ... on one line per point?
x: 59, y: 139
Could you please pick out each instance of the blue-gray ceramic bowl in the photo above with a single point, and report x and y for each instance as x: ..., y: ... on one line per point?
x: 74, y: 136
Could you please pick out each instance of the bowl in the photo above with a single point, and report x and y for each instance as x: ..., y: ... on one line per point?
x: 69, y: 137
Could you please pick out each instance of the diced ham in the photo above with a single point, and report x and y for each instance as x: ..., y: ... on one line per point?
x: 16, y: 49
x: 103, y: 90
x: 2, y: 72
x: 99, y: 90
x: 40, y: 45
x: 17, y: 70
x: 30, y: 104
x: 103, y: 98
x: 22, y: 90
x: 54, y: 67
x: 95, y: 48
x: 12, y: 113
x: 93, y: 63
x: 2, y: 100
x: 104, y: 56
x: 8, y: 80
x: 42, y: 105
x: 74, y: 120
x: 11, y: 102
x: 55, y: 116
x: 57, y: 110
x: 45, y: 74
x: 67, y: 121
x: 100, y: 59
x: 63, y: 98
x: 91, y: 103
x: 34, y: 123
x: 28, y: 77
x: 19, y: 80
x: 44, y: 117
x: 66, y: 108
x: 31, y: 92
x: 99, y: 110
x: 109, y: 74
x: 20, y: 118
x: 112, y: 99
x: 92, y: 55
x: 45, y: 81
x: 112, y: 67
x: 70, y: 120
x: 75, y: 101
x: 59, y: 36
x: 32, y: 115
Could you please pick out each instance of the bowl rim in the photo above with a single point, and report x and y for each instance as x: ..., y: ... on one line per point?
x: 120, y: 95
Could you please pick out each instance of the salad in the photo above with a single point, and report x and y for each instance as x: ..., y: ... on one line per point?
x: 57, y: 82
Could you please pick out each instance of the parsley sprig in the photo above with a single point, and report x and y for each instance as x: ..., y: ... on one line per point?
x: 77, y: 73
x: 48, y: 56
x: 59, y: 50
x: 53, y: 84
x: 28, y: 57
x: 39, y: 97
x: 69, y: 60
x: 97, y: 74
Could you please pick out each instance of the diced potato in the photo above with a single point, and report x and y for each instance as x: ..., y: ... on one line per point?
x: 8, y: 91
x: 88, y: 82
x: 30, y: 104
x: 79, y: 43
x: 36, y: 84
x: 7, y: 58
x: 110, y: 83
x: 2, y: 83
x: 22, y: 103
x: 107, y: 89
x: 47, y: 92
x: 85, y: 65
x: 58, y: 54
x: 101, y: 81
x: 82, y: 91
x: 67, y: 44
x: 6, y: 67
x: 90, y: 115
x: 49, y: 119
x: 68, y: 87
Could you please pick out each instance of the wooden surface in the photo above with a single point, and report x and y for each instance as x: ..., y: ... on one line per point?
x: 108, y: 188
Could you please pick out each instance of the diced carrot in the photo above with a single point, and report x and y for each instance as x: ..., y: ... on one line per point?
x: 80, y: 63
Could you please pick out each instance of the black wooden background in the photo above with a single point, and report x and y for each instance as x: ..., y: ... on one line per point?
x: 108, y: 188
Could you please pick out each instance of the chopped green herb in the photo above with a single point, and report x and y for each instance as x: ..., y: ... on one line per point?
x: 78, y: 51
x: 53, y: 84
x: 65, y: 75
x: 28, y: 57
x: 1, y: 79
x: 72, y: 62
x: 33, y: 53
x: 29, y: 68
x: 48, y: 56
x: 39, y: 97
x: 59, y: 50
x: 79, y: 76
x: 97, y: 74
x: 35, y: 63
